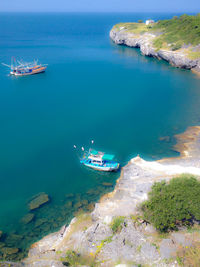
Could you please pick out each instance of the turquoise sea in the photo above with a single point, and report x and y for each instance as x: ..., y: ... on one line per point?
x: 93, y: 89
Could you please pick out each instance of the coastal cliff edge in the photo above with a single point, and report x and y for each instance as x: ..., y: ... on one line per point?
x: 91, y: 236
x: 144, y: 41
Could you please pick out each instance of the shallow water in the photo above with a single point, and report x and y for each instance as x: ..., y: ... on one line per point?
x: 93, y: 89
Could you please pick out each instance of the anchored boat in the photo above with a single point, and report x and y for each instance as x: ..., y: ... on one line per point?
x: 20, y: 68
x: 99, y: 161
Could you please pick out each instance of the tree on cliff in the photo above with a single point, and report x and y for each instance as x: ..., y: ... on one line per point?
x: 174, y: 204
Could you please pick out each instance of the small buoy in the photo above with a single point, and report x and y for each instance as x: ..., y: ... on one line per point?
x: 92, y: 141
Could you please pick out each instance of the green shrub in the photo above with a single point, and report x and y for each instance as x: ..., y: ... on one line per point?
x: 158, y: 43
x: 176, y: 46
x: 140, y: 21
x: 116, y: 224
x: 173, y: 204
x: 184, y: 28
x: 73, y: 258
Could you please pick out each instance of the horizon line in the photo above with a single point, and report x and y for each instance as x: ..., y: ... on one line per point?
x: 113, y: 12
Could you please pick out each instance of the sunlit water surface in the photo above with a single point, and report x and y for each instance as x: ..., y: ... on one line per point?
x: 93, y: 89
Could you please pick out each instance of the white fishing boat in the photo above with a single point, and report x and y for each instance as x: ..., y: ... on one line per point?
x: 99, y: 161
x: 20, y: 68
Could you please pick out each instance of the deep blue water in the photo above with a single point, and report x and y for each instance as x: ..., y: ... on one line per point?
x: 93, y: 89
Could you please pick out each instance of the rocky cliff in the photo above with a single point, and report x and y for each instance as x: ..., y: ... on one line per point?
x: 144, y: 41
x: 91, y: 239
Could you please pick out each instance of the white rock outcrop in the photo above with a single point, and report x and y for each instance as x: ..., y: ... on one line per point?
x: 145, y: 43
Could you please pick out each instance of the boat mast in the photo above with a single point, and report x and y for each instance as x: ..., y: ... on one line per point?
x: 13, y: 63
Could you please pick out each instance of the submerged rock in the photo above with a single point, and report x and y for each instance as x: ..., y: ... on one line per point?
x: 13, y: 239
x: 91, y: 192
x: 68, y: 205
x: 2, y: 245
x: 40, y: 222
x: 84, y: 202
x: 9, y: 251
x: 81, y: 203
x: 27, y: 218
x: 1, y: 233
x: 78, y: 206
x: 70, y: 195
x: 38, y: 201
x: 164, y: 138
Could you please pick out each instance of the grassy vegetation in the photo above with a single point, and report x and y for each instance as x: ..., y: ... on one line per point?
x: 192, y: 54
x: 136, y: 218
x: 194, y: 229
x: 139, y: 248
x: 189, y: 256
x: 73, y: 258
x: 116, y: 224
x: 173, y: 33
x: 136, y: 28
x: 178, y: 31
x: 173, y: 204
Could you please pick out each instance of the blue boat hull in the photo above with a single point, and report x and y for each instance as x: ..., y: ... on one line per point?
x: 109, y: 167
x: 105, y: 169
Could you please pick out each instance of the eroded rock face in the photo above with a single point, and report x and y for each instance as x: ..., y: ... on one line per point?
x: 38, y: 201
x: 145, y: 43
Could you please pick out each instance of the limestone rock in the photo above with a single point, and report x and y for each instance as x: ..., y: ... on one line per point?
x: 145, y: 43
x: 167, y: 249
x: 181, y: 239
x: 150, y: 229
x: 135, y: 243
x: 45, y: 263
x: 38, y: 201
x: 149, y: 251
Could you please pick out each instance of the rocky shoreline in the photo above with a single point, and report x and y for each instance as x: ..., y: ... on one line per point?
x: 90, y: 234
x: 145, y: 42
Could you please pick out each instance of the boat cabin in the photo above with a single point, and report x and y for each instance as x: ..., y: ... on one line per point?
x: 99, y: 157
x: 99, y: 161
